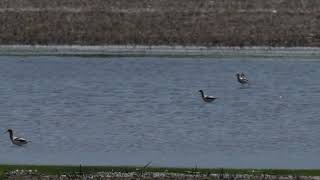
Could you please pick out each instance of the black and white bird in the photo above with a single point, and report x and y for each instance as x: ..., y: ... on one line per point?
x: 16, y: 140
x: 207, y: 98
x: 242, y: 78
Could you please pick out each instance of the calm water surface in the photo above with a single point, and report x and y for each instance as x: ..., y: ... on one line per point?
x: 129, y: 111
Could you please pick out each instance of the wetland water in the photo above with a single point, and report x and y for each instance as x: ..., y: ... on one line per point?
x: 129, y: 111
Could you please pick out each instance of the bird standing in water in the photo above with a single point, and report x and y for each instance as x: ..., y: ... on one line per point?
x: 242, y: 79
x: 16, y: 140
x: 207, y: 98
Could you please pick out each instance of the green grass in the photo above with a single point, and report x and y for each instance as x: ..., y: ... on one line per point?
x: 66, y: 169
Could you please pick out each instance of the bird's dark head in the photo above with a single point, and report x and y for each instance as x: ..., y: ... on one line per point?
x: 201, y: 91
x: 238, y: 74
x: 8, y: 131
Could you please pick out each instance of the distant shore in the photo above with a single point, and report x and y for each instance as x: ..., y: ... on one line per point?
x: 64, y: 172
x: 156, y: 51
x: 209, y: 23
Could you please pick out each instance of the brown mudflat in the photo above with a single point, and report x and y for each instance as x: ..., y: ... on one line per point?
x: 165, y: 22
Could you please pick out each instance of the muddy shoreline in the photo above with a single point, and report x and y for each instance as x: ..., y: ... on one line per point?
x: 208, y: 23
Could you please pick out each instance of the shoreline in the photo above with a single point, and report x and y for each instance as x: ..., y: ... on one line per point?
x: 149, y: 172
x: 285, y: 23
x: 157, y: 51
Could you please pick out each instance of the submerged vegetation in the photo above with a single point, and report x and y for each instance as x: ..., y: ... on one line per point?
x: 165, y: 22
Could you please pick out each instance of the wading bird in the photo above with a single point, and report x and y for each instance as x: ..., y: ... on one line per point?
x: 16, y: 140
x: 207, y: 98
x: 242, y: 78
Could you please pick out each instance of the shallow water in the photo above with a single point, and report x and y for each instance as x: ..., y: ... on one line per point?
x: 129, y: 111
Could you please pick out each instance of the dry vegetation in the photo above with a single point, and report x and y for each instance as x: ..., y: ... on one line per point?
x: 161, y: 22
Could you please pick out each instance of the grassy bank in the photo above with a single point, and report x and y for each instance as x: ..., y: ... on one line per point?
x: 64, y: 169
x: 166, y: 22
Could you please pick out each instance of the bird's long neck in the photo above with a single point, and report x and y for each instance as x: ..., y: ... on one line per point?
x: 238, y: 76
x: 11, y: 135
x: 202, y: 94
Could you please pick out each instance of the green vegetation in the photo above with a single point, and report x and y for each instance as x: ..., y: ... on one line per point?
x: 65, y: 169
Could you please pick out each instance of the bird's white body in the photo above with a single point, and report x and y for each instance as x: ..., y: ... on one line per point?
x: 207, y: 98
x: 16, y: 140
